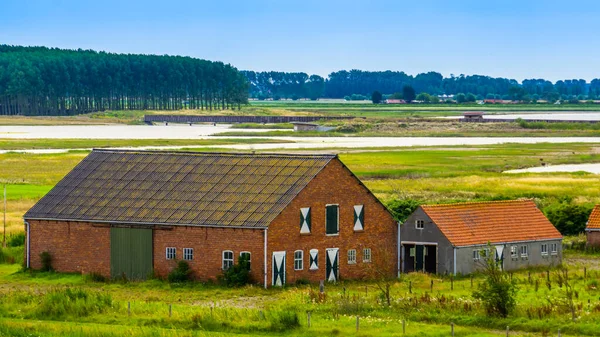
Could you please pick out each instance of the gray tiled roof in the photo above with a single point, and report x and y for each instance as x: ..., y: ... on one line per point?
x: 185, y: 188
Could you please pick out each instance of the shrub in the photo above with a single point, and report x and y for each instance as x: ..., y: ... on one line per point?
x: 72, y: 302
x: 46, y: 259
x: 237, y: 275
x: 403, y: 208
x: 181, y: 273
x: 567, y: 217
x: 499, y: 290
x: 285, y: 320
x: 16, y: 240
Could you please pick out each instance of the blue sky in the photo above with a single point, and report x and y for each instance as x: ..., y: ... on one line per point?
x: 516, y: 39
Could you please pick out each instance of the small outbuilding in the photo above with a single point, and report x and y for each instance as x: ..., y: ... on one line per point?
x: 472, y: 116
x: 450, y: 239
x: 136, y: 213
x: 592, y: 229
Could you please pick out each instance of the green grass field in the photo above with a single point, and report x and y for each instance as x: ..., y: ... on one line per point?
x: 71, y: 304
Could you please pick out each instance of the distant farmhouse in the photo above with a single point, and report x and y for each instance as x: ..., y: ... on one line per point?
x: 395, y: 101
x: 450, y: 239
x: 136, y: 213
x: 593, y: 228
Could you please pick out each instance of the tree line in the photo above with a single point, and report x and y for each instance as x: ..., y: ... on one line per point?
x: 359, y: 84
x: 52, y: 81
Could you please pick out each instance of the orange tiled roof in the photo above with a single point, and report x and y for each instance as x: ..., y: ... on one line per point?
x: 496, y: 221
x: 594, y: 221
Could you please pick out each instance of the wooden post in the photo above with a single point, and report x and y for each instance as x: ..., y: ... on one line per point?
x: 170, y: 310
x: 431, y: 287
x: 322, y: 286
x: 410, y: 287
x: 558, y: 332
x: 507, y: 331
x: 584, y: 273
x: 308, y: 318
x: 548, y: 275
x: 451, y: 282
x: 357, y: 322
x: 403, y: 327
x: 529, y: 277
x: 129, y: 308
x: 452, y: 329
x: 471, y: 280
x: 4, y: 237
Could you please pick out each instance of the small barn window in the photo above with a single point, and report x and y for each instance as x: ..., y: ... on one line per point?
x: 524, y: 251
x: 554, y: 248
x: 367, y: 255
x: 544, y: 249
x: 514, y: 252
x: 171, y: 253
x: 305, y: 221
x: 476, y: 255
x: 298, y: 260
x: 227, y: 259
x: 352, y: 256
x: 332, y: 219
x: 188, y: 253
x: 246, y: 255
x: 420, y: 224
x: 359, y: 218
x: 314, y: 259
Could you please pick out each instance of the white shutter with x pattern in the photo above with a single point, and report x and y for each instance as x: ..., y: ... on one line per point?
x: 314, y: 259
x: 305, y: 222
x: 359, y: 217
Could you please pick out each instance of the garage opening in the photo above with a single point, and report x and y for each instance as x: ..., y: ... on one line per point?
x: 420, y: 257
x: 130, y: 253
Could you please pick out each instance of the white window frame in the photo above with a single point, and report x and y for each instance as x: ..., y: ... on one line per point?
x: 421, y: 223
x: 524, y: 251
x: 188, y: 254
x: 554, y: 248
x: 367, y: 255
x: 351, y: 256
x: 249, y: 257
x: 230, y: 261
x: 299, y: 260
x: 514, y: 252
x: 544, y: 249
x: 171, y: 251
x: 476, y: 255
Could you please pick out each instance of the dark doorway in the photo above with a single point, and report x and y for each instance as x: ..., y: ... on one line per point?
x: 421, y: 258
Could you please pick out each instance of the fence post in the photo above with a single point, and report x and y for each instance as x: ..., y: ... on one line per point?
x: 558, y: 332
x: 471, y: 280
x: 322, y: 286
x: 357, y: 322
x: 507, y: 331
x: 584, y: 273
x: 128, y: 308
x: 308, y: 318
x: 452, y: 329
x: 548, y: 275
x: 410, y: 287
x: 403, y: 327
x: 431, y: 286
x: 451, y: 282
x: 170, y: 310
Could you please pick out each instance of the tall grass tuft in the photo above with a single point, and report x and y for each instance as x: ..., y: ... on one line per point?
x: 72, y: 302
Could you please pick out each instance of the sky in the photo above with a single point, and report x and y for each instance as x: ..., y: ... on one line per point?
x: 514, y: 39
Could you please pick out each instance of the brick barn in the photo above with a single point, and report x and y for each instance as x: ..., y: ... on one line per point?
x: 592, y: 229
x: 133, y: 213
x: 451, y: 238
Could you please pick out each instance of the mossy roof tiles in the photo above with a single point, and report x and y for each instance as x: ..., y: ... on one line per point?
x: 179, y: 188
x: 477, y: 223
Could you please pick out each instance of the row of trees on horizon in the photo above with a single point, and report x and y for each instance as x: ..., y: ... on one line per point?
x: 51, y: 81
x: 359, y: 84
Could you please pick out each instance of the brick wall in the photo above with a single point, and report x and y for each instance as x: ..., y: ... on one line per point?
x: 335, y: 185
x: 208, y: 245
x: 593, y: 238
x: 74, y: 246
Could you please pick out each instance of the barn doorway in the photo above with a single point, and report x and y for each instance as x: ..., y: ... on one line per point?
x: 420, y: 257
x: 130, y: 253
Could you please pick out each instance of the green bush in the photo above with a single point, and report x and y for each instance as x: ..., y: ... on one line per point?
x: 11, y: 255
x: 285, y: 320
x: 403, y: 208
x: 72, y: 302
x: 95, y: 277
x: 46, y: 259
x: 181, y: 273
x: 16, y: 240
x: 569, y: 218
x: 238, y: 275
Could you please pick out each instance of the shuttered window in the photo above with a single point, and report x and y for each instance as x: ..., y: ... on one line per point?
x: 332, y: 219
x: 359, y: 218
x: 314, y: 259
x: 305, y: 221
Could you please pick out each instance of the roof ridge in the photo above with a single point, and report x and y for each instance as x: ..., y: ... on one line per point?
x: 487, y: 202
x: 224, y: 154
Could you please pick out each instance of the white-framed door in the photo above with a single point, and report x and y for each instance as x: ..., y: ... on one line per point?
x: 332, y: 265
x: 278, y: 266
